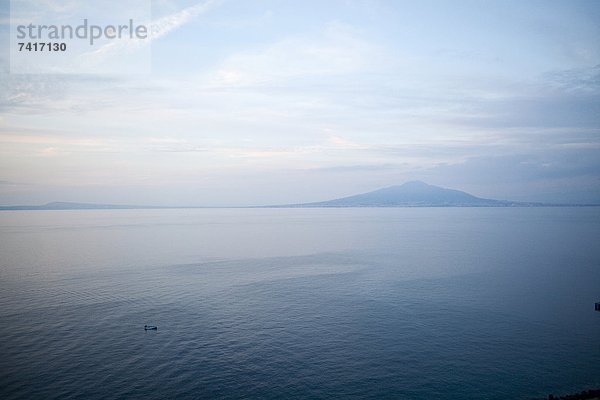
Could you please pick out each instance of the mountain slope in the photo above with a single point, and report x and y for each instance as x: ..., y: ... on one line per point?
x: 414, y: 194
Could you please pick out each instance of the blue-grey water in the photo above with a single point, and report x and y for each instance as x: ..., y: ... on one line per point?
x: 425, y: 303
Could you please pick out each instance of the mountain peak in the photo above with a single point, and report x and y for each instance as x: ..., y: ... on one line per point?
x: 415, y: 184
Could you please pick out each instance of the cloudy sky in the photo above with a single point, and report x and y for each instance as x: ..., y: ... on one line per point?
x: 259, y: 102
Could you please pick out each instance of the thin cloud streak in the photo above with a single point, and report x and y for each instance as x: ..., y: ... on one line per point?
x: 157, y: 29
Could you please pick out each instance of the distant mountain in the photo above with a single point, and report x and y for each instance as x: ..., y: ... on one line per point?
x: 410, y: 194
x: 415, y: 194
x: 61, y: 205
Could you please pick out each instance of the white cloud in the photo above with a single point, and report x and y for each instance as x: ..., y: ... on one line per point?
x: 336, y: 51
x: 166, y: 24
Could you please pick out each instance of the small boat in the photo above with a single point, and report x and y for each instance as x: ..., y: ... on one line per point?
x: 150, y: 327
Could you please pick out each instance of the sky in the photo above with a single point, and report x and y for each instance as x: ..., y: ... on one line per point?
x: 273, y: 102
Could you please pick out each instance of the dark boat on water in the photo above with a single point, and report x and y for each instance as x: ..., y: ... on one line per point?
x: 150, y: 328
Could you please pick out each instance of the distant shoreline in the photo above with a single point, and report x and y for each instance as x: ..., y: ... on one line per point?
x: 96, y: 207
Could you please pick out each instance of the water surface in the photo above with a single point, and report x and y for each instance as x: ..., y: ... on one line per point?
x: 445, y: 303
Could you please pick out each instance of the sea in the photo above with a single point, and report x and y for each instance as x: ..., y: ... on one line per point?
x: 318, y: 303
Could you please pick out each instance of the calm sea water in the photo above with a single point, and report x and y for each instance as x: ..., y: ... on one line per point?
x: 426, y: 303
